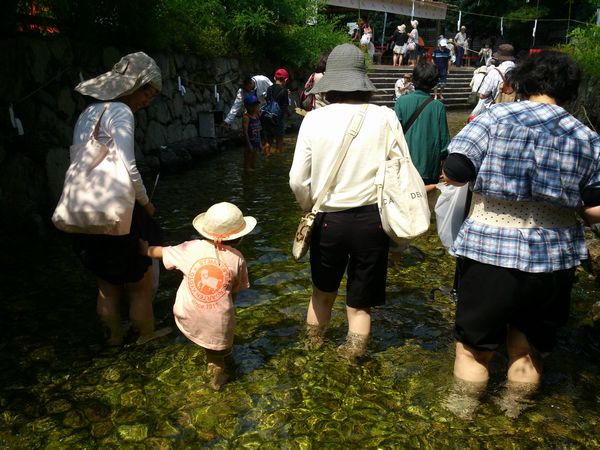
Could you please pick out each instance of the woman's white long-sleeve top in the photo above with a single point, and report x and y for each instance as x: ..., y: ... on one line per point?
x: 117, y: 131
x: 319, y: 140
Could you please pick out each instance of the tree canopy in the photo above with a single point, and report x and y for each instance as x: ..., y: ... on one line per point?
x: 291, y: 32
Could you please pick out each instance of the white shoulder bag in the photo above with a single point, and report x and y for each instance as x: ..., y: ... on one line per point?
x: 401, y: 195
x: 98, y: 194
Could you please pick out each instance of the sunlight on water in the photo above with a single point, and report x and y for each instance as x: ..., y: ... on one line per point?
x: 61, y: 389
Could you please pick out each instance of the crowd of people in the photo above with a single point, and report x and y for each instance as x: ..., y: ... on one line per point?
x: 530, y: 165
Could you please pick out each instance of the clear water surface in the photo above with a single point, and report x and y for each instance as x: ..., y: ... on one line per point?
x: 61, y: 389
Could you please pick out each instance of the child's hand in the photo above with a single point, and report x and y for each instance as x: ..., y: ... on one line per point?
x: 143, y: 247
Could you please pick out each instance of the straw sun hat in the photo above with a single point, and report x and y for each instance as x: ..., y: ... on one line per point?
x: 128, y: 75
x: 345, y: 72
x: 223, y: 221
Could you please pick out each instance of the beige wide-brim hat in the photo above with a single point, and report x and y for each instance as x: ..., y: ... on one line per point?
x: 223, y: 222
x: 345, y: 72
x: 128, y: 75
x: 414, y: 23
x: 402, y: 28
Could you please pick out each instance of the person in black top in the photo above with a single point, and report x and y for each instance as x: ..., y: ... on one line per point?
x: 278, y: 93
x: 399, y: 40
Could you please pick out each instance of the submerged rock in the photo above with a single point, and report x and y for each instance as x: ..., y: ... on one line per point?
x: 58, y: 406
x: 102, y: 429
x: 133, y: 398
x: 74, y: 419
x: 133, y: 433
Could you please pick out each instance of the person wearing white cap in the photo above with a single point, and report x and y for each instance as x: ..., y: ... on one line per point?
x: 462, y: 44
x: 441, y: 57
x: 347, y: 236
x: 257, y: 84
x: 213, y: 274
x: 413, y: 43
x: 399, y: 41
x: 114, y: 260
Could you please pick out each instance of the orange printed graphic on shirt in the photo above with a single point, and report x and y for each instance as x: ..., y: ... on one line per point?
x: 208, y: 280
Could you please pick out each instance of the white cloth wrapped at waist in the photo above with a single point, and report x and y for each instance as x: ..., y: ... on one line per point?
x: 513, y: 214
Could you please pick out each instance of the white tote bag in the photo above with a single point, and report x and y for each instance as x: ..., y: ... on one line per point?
x: 450, y: 212
x: 98, y: 195
x: 401, y: 196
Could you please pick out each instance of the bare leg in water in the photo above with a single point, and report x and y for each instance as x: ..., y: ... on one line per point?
x: 318, y: 316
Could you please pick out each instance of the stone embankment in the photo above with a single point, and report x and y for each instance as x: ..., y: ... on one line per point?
x: 38, y: 78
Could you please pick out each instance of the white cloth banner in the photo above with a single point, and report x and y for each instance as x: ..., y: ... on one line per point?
x: 459, y: 20
x: 502, y: 26
x: 425, y: 10
x: 534, y: 28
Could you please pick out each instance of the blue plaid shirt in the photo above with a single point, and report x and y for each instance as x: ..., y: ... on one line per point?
x: 527, y: 151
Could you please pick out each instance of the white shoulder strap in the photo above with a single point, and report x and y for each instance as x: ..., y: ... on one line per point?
x: 399, y: 138
x: 351, y: 132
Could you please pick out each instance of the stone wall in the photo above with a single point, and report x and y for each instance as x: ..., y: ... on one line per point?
x: 38, y: 77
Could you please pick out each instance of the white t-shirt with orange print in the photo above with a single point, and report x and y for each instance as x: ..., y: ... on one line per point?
x: 203, y: 308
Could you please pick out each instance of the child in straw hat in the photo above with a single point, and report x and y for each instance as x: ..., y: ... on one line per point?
x: 213, y: 273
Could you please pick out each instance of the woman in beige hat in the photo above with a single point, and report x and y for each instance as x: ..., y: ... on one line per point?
x: 347, y: 236
x: 213, y: 274
x: 114, y: 260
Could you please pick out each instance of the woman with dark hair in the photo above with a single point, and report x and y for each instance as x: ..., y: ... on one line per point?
x: 531, y: 166
x: 347, y: 235
x: 317, y: 100
x: 428, y: 136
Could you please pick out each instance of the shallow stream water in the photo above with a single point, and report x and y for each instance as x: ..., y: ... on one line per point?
x: 61, y: 388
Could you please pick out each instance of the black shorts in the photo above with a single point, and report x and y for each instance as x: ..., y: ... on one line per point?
x: 491, y: 298
x: 354, y: 239
x: 116, y: 259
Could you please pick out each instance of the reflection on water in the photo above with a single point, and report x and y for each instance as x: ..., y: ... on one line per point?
x: 60, y: 388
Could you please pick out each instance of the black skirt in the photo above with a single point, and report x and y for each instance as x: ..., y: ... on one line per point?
x: 116, y: 259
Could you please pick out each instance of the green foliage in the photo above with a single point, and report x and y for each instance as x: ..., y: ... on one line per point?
x: 301, y: 45
x: 584, y: 46
x: 527, y: 12
x: 288, y: 32
x: 196, y: 26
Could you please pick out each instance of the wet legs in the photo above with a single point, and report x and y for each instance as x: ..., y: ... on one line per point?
x: 359, y: 328
x: 318, y: 316
x: 471, y: 372
x: 523, y: 365
x: 107, y: 307
x: 140, y: 309
x: 216, y: 369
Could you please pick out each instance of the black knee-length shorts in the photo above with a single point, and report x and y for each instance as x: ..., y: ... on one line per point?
x: 354, y: 240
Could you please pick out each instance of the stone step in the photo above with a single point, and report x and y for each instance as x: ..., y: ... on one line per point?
x: 447, y: 95
x: 449, y: 85
x: 448, y: 103
x: 395, y: 76
x: 456, y: 91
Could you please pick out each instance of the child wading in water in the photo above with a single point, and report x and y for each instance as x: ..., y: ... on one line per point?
x: 251, y: 127
x: 213, y: 274
x: 278, y: 92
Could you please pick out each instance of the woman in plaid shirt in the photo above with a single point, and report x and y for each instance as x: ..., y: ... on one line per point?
x: 531, y: 166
